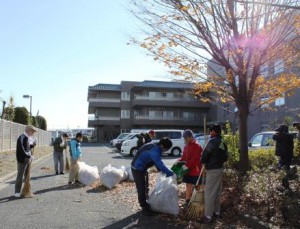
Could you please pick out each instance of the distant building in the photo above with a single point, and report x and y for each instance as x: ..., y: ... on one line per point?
x: 115, y: 108
x: 266, y: 117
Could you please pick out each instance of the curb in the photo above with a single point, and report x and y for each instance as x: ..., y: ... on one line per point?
x: 8, y: 176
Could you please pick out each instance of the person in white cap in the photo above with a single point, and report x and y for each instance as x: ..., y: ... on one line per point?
x: 23, y: 153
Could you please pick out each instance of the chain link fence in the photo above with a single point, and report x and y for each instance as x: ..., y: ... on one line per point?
x: 10, y: 131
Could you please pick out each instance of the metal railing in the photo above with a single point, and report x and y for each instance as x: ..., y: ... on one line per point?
x: 10, y: 131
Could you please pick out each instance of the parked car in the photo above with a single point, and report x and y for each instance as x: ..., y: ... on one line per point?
x: 129, y: 146
x: 264, y: 140
x: 202, y: 141
x: 127, y: 137
x: 118, y: 139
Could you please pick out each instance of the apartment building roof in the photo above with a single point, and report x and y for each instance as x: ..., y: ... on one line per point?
x: 106, y: 87
x: 164, y: 84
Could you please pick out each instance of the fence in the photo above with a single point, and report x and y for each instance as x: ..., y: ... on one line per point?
x: 10, y: 131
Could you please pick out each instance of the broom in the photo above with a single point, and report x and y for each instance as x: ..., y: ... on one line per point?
x: 26, y: 191
x: 67, y: 166
x: 196, y: 205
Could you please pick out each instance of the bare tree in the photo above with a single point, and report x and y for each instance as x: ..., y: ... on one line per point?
x: 239, y: 36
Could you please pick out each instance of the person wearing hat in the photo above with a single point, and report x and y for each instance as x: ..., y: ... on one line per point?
x: 147, y: 156
x: 59, y: 144
x: 284, y: 146
x: 191, y: 158
x: 213, y: 158
x: 25, y: 143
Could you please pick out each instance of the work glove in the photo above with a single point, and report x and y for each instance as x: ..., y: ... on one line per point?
x: 169, y: 174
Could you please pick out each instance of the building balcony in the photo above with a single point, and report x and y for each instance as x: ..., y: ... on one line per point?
x: 104, y: 102
x: 165, y: 121
x: 167, y: 102
x: 94, y: 121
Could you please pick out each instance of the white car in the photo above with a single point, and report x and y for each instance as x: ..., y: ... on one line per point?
x: 118, y: 139
x: 129, y: 146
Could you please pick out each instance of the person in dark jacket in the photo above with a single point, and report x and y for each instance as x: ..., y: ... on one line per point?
x: 59, y: 144
x: 25, y: 143
x: 144, y: 138
x: 284, y: 146
x: 213, y: 157
x: 147, y: 156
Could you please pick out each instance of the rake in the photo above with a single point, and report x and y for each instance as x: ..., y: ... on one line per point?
x: 26, y: 191
x: 67, y: 166
x: 196, y: 205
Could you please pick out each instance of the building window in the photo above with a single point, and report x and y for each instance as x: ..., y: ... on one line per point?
x: 125, y: 114
x: 125, y: 96
x: 280, y: 101
x: 263, y: 102
x: 163, y: 94
x: 264, y: 70
x: 278, y: 66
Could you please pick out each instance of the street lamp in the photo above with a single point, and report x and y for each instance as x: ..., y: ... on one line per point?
x: 29, y: 96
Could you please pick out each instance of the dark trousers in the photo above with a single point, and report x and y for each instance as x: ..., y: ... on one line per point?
x: 285, y: 160
x: 22, y: 170
x: 141, y: 183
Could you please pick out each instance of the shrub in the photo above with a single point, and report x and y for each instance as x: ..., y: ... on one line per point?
x: 261, y: 159
x: 232, y: 141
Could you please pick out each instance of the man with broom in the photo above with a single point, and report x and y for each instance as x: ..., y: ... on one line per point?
x: 24, y: 156
x: 59, y: 144
x: 213, y: 157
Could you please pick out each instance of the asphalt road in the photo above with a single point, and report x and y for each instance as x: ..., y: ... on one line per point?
x: 57, y: 206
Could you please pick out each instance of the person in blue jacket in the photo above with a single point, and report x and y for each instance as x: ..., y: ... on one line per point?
x: 147, y: 156
x: 75, y: 152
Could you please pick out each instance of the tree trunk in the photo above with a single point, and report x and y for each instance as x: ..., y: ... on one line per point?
x: 243, y: 143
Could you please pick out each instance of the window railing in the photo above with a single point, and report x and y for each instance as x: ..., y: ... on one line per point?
x: 106, y: 100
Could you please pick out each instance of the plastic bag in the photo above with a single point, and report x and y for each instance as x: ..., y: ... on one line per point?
x: 111, y: 176
x: 180, y: 170
x: 164, y: 197
x: 125, y: 174
x: 130, y: 176
x: 88, y: 175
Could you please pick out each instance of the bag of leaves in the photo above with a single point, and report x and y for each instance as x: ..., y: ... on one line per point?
x: 88, y: 175
x: 111, y: 176
x: 164, y: 197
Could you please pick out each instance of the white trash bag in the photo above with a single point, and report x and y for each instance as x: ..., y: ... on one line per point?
x: 111, y: 176
x: 125, y: 174
x: 87, y: 174
x: 130, y: 175
x: 164, y: 197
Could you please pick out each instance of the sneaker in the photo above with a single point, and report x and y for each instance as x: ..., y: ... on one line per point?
x: 217, y: 215
x: 62, y: 173
x: 17, y: 195
x: 77, y: 182
x: 69, y: 183
x: 56, y: 173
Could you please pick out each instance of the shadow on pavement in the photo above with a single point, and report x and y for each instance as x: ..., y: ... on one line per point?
x: 59, y: 188
x: 33, y: 178
x: 8, y: 199
x: 139, y: 221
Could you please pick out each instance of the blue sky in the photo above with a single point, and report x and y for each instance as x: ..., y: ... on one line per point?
x: 54, y: 49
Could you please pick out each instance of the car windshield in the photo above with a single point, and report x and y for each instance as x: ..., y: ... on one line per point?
x: 122, y: 136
